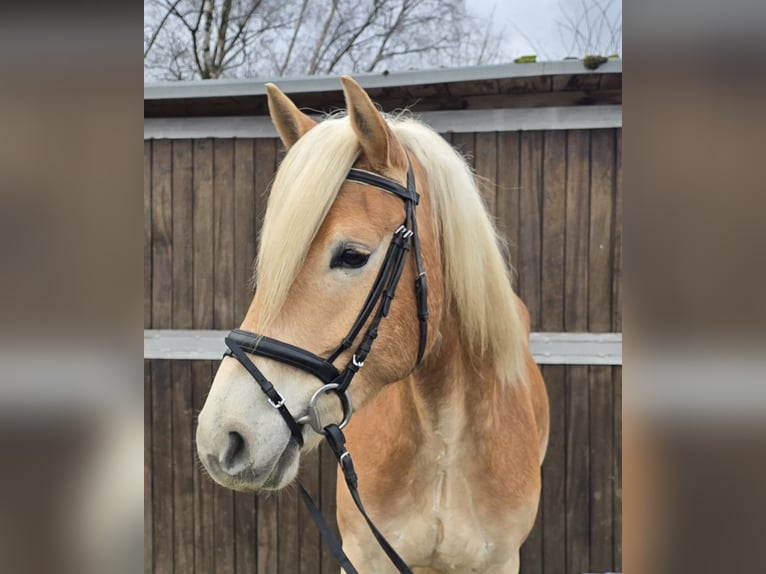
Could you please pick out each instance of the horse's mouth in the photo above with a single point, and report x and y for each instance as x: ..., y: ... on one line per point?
x: 275, y: 479
x: 271, y: 476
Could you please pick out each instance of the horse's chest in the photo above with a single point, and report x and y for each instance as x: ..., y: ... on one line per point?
x: 452, y: 528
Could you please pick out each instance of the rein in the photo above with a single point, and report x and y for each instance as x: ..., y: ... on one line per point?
x: 378, y: 301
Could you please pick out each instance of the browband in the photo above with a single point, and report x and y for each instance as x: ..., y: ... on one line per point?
x: 373, y: 179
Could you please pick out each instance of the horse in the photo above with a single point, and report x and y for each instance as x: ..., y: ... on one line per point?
x: 448, y: 448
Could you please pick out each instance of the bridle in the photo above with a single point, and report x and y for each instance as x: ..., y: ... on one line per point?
x: 377, y: 306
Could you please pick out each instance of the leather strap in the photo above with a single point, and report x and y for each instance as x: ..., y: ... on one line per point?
x: 400, y: 247
x: 337, y: 441
x: 322, y: 369
x: 373, y: 179
x: 326, y: 533
x: 369, y: 304
x: 276, y: 400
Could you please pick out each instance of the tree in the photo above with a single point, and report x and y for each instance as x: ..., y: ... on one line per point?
x: 594, y: 27
x: 185, y: 39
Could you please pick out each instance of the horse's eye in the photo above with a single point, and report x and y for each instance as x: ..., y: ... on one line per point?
x: 350, y: 258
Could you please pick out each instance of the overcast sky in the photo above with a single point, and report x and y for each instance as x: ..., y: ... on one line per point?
x: 537, y: 20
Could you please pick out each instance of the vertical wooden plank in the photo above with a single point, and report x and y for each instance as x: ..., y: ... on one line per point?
x: 183, y: 466
x: 310, y: 556
x: 508, y: 174
x: 267, y: 534
x: 554, y: 474
x: 267, y: 511
x: 148, y: 475
x: 600, y: 235
x: 552, y: 319
x: 577, y: 233
x: 162, y: 467
x: 600, y: 320
x: 577, y: 489
x: 601, y: 469
x: 162, y: 289
x: 576, y: 319
x: 617, y: 469
x: 223, y: 318
x: 327, y: 494
x: 147, y: 234
x: 244, y: 532
x: 223, y: 233
x: 486, y: 169
x: 162, y: 235
x: 530, y: 206
x: 182, y: 197
x: 288, y: 549
x: 265, y: 167
x: 203, y: 234
x: 244, y: 224
x: 183, y: 304
x: 617, y: 245
x: 204, y: 559
x: 553, y: 222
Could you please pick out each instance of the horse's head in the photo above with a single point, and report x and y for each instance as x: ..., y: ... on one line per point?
x: 324, y: 241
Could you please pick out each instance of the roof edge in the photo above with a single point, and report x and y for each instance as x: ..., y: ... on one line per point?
x: 305, y: 84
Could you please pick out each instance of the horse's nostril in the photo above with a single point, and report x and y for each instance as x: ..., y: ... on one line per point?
x: 234, y: 458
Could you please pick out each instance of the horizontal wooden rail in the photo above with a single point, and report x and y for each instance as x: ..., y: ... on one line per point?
x: 547, y: 348
x: 457, y: 121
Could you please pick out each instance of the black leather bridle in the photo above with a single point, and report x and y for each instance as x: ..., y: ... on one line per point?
x: 377, y: 306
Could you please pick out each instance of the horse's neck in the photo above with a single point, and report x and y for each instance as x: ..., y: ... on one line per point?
x: 452, y: 392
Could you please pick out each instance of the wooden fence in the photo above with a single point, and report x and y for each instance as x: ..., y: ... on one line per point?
x: 556, y: 196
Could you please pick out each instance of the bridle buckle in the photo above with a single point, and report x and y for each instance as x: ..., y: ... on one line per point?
x: 280, y: 403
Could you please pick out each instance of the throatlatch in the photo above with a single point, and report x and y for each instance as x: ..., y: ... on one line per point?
x: 377, y: 306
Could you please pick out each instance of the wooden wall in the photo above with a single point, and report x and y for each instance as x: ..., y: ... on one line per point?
x: 557, y: 198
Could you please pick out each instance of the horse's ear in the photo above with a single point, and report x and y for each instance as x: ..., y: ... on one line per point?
x: 291, y: 123
x: 379, y: 145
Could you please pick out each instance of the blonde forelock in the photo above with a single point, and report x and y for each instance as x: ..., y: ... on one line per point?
x: 303, y: 191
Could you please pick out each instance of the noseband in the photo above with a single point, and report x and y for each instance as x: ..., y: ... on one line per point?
x: 377, y: 306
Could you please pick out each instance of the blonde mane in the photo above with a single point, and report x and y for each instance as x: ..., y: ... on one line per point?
x: 476, y: 276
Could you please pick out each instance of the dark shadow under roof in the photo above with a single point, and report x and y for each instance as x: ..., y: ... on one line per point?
x: 544, y: 84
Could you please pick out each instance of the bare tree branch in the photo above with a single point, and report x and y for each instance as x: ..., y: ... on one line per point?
x: 286, y: 61
x: 322, y: 36
x: 159, y: 27
x: 220, y: 42
x: 352, y: 39
x: 216, y: 38
x: 387, y: 36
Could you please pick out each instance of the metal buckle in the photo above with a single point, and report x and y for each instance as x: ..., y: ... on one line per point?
x: 406, y: 233
x: 312, y: 417
x: 357, y: 364
x: 279, y: 404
